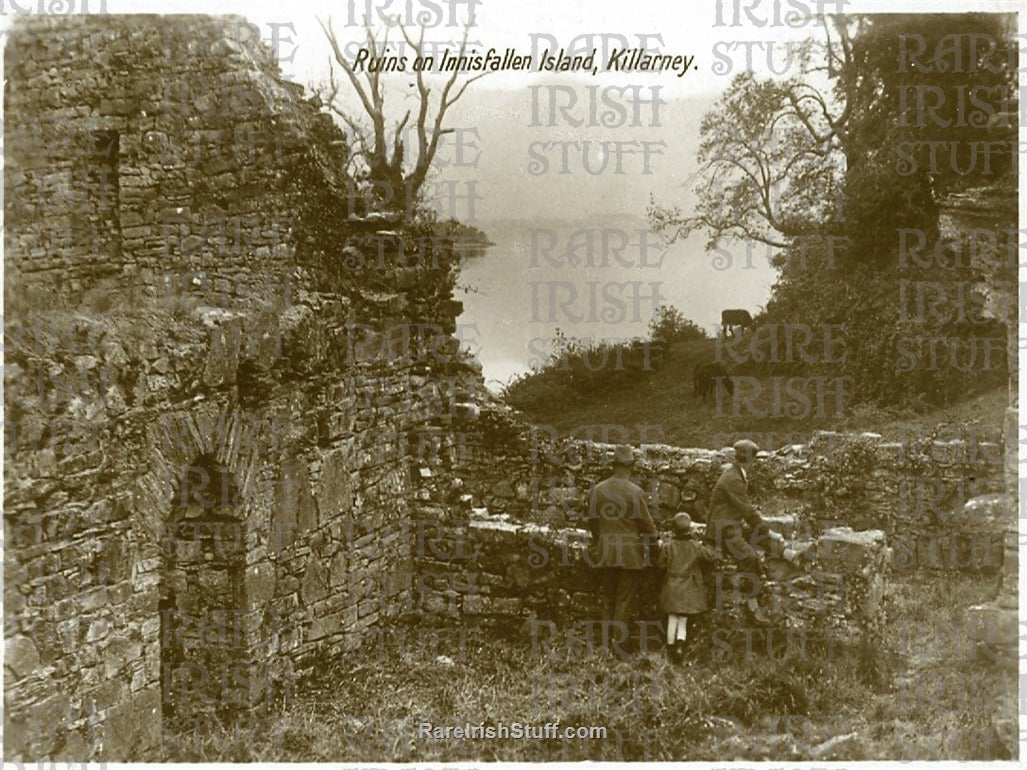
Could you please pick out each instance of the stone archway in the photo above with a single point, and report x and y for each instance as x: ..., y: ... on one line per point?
x: 203, y: 640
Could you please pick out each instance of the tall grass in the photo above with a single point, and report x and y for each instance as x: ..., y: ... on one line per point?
x: 887, y: 703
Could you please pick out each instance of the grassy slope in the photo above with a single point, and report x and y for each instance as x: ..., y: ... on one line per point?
x: 665, y: 403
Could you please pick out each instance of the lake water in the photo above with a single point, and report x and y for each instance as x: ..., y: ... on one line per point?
x: 593, y: 279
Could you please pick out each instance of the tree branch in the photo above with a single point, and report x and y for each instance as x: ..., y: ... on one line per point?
x: 369, y: 88
x: 346, y: 66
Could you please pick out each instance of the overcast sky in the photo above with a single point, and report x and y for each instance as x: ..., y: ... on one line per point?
x: 686, y: 27
x: 498, y: 109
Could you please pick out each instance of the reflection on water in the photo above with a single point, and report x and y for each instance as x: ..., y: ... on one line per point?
x: 592, y: 279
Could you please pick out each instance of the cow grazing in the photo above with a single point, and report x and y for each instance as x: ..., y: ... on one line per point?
x: 729, y: 319
x: 706, y: 378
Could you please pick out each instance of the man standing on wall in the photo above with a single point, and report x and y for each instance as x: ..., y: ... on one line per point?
x: 622, y: 530
x: 734, y: 525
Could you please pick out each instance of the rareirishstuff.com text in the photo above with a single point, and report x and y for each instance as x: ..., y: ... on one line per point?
x: 501, y: 730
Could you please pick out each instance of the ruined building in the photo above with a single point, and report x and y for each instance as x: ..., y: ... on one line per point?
x: 240, y: 432
x: 218, y: 361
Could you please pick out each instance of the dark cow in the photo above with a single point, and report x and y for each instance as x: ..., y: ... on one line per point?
x: 732, y: 318
x: 706, y: 378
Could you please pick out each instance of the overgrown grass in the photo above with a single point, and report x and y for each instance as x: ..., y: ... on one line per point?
x: 887, y: 703
x: 663, y: 402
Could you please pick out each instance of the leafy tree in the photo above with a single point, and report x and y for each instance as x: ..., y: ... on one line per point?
x: 670, y: 325
x: 875, y: 128
x: 817, y: 152
x: 772, y: 154
x: 915, y: 91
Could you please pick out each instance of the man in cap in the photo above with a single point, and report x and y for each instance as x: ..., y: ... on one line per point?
x: 733, y: 523
x: 622, y: 530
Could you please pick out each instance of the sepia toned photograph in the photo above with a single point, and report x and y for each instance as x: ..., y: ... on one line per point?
x: 472, y: 381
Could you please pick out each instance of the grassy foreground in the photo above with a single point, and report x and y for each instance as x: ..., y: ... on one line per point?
x: 921, y: 696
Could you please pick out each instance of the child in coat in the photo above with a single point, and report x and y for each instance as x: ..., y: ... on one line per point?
x: 684, y: 588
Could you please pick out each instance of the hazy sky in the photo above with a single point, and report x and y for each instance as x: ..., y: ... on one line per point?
x: 497, y: 114
x: 687, y: 27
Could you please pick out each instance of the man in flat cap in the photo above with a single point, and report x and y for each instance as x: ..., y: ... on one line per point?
x: 621, y: 532
x: 734, y: 524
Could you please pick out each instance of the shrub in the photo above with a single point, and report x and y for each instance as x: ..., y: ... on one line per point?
x: 670, y: 325
x: 499, y: 428
x: 579, y: 369
x: 893, y: 347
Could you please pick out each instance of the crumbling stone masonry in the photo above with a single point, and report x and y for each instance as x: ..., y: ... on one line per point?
x: 236, y: 417
x: 528, y: 577
x: 914, y: 490
x: 520, y: 562
x: 996, y: 624
x: 219, y: 364
x: 857, y: 506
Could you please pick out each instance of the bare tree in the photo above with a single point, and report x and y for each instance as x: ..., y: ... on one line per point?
x: 385, y: 158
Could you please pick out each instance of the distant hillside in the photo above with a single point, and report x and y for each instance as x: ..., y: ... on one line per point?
x: 664, y: 402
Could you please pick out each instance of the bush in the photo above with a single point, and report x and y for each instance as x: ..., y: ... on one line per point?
x: 578, y: 370
x: 670, y: 325
x: 499, y: 428
x: 893, y: 348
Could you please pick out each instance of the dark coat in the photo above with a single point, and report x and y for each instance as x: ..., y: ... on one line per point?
x: 730, y: 508
x: 684, y: 587
x: 620, y: 524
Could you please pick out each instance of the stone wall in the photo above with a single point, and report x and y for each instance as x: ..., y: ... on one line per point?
x: 180, y: 501
x: 538, y: 581
x: 989, y: 214
x: 914, y: 490
x: 219, y: 385
x: 137, y: 143
x: 239, y: 432
x: 167, y: 152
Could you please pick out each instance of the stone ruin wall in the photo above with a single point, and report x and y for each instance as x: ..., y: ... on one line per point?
x: 537, y: 581
x: 996, y: 622
x: 138, y: 144
x: 213, y: 385
x: 945, y: 501
x: 248, y: 469
x: 512, y: 554
x: 934, y: 497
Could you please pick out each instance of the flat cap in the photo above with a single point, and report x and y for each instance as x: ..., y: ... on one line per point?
x: 682, y: 522
x: 747, y: 447
x: 624, y: 455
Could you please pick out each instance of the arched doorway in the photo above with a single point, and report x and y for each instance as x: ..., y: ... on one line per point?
x: 204, y: 641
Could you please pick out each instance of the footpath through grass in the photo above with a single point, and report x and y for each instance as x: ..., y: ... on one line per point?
x: 922, y: 696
